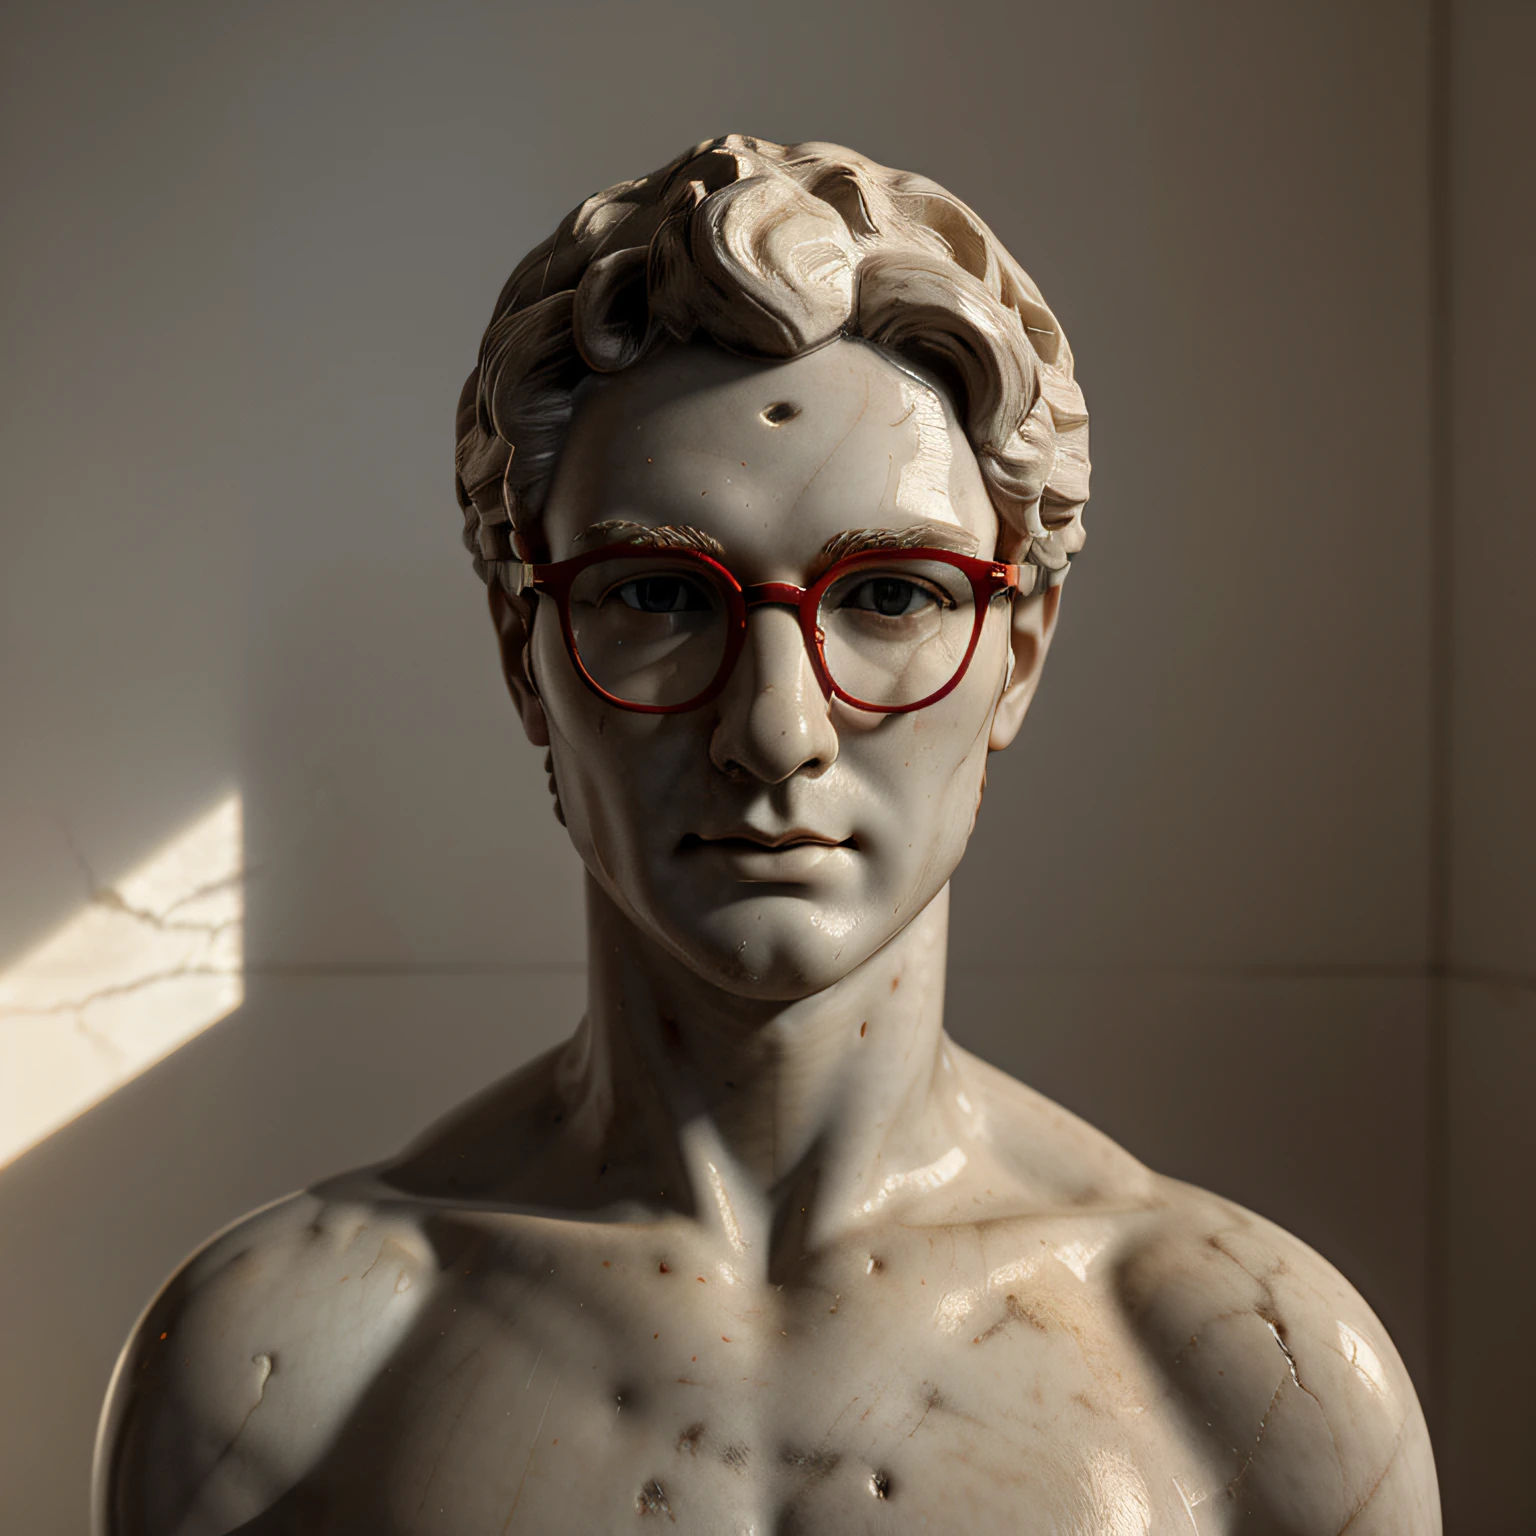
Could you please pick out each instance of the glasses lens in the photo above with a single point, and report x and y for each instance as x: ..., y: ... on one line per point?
x: 649, y: 631
x: 895, y: 634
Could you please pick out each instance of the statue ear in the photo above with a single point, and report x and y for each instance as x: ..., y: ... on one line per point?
x: 1029, y: 638
x: 513, y: 618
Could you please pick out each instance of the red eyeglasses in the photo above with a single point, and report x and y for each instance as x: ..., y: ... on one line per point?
x: 659, y: 630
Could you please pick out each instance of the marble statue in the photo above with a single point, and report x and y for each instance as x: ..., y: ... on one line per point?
x: 773, y: 462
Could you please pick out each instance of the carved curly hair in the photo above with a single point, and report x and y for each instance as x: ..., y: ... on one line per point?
x: 770, y: 251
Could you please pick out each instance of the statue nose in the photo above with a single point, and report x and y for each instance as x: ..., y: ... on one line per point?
x: 774, y: 718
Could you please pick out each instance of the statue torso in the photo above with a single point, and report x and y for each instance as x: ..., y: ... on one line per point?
x: 1135, y: 1357
x: 582, y: 1376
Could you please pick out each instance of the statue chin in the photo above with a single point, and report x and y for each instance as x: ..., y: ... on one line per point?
x: 772, y: 948
x: 760, y: 1247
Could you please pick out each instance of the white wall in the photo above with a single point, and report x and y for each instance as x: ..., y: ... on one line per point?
x: 256, y: 253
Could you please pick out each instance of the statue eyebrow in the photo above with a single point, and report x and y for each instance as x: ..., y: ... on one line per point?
x: 855, y: 541
x: 621, y: 530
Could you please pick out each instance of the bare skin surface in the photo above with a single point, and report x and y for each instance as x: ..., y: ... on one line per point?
x: 761, y: 1250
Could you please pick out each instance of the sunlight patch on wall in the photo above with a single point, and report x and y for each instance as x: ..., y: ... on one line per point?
x: 146, y: 965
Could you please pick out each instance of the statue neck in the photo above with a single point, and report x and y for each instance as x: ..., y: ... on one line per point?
x: 782, y: 1121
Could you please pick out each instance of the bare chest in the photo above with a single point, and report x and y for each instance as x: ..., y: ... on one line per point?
x: 597, y: 1382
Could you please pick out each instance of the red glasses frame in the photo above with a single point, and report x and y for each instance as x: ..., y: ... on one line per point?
x: 987, y: 579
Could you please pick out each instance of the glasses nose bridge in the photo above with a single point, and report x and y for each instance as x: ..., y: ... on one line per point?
x: 773, y: 593
x: 784, y: 594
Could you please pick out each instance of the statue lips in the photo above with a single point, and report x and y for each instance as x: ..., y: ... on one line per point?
x: 756, y: 856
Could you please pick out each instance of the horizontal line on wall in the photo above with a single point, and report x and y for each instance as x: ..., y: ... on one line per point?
x: 1264, y: 972
x: 322, y: 970
x: 1523, y: 981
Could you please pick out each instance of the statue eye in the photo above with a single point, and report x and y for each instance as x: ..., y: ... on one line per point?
x: 894, y: 597
x: 663, y: 594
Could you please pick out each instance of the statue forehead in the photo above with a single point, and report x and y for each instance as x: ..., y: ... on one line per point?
x: 844, y: 431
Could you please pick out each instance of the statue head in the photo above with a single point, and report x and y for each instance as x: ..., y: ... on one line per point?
x: 773, y: 462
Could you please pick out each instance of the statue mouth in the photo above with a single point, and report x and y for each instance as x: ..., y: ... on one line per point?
x: 794, y: 856
x: 759, y: 840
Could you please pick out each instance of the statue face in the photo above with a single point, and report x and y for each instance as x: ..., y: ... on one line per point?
x: 771, y: 839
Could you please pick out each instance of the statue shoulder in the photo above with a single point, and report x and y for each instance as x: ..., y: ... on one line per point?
x: 239, y: 1372
x: 1063, y: 1161
x: 1283, y: 1372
